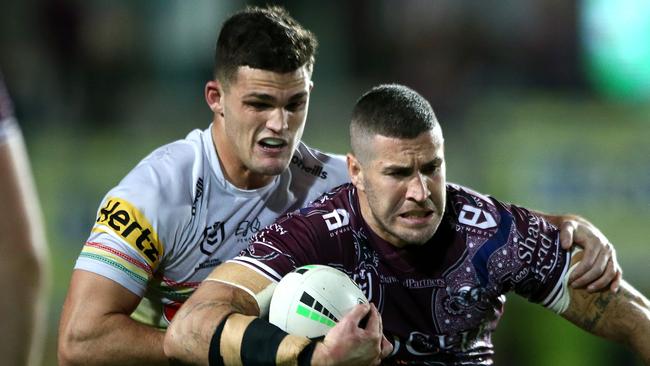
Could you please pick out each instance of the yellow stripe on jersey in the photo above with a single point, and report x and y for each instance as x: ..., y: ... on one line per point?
x: 122, y: 218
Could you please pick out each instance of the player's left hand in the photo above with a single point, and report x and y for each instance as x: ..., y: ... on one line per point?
x: 598, y: 268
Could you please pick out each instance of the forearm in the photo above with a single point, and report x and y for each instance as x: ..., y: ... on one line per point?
x: 623, y: 317
x: 189, y: 335
x: 115, y: 340
x: 188, y: 338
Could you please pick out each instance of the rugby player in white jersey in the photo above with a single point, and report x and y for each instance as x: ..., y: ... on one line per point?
x: 195, y: 203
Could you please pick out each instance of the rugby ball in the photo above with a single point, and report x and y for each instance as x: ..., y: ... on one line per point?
x: 310, y: 300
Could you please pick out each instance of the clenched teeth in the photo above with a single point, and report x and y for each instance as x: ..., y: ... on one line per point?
x: 272, y: 142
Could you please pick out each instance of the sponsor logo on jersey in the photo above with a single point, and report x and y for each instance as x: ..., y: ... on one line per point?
x: 337, y: 219
x: 422, y: 344
x: 122, y: 218
x: 246, y: 227
x: 316, y: 170
x: 476, y: 217
x: 537, y: 247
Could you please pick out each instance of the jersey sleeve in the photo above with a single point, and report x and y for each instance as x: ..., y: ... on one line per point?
x: 532, y: 263
x: 135, y: 225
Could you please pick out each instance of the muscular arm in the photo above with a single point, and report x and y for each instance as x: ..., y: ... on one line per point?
x: 96, y: 328
x: 190, y: 333
x: 23, y: 256
x: 623, y: 316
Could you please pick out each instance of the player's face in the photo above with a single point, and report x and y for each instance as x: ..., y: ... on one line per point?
x: 402, y: 188
x: 264, y: 115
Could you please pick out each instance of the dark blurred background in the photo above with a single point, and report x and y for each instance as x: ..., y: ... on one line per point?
x: 545, y: 103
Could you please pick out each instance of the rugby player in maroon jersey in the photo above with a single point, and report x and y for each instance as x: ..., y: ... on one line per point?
x: 434, y: 259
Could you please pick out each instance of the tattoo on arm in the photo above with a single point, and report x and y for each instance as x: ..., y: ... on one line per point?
x: 588, y: 320
x: 617, y: 316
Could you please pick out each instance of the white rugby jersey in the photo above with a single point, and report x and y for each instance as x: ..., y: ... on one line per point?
x: 174, y: 217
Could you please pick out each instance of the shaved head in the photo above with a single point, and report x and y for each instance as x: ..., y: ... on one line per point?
x: 389, y: 110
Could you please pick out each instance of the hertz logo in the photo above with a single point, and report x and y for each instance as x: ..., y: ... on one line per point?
x: 122, y: 218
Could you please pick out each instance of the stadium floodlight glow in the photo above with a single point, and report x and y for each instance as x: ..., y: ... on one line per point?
x: 615, y: 36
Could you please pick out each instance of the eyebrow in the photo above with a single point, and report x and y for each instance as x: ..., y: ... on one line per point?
x: 269, y: 98
x: 433, y: 163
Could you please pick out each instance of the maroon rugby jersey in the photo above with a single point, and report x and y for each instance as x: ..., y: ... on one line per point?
x: 441, y: 301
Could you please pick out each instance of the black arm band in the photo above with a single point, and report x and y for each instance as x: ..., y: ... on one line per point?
x: 304, y: 358
x: 214, y: 353
x: 260, y: 343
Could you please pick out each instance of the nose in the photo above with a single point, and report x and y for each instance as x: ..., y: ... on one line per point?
x: 278, y: 120
x: 417, y: 189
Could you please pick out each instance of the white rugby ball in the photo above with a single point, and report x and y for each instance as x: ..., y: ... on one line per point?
x: 310, y: 300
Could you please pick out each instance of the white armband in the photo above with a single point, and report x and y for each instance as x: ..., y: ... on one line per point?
x: 263, y: 298
x: 561, y: 302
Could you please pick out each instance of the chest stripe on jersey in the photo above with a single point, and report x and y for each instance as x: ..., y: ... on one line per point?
x: 499, y: 239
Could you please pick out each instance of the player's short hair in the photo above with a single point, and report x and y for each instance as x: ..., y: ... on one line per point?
x: 390, y: 110
x: 263, y: 38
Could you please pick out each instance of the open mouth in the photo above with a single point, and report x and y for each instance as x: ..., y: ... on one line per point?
x: 272, y: 143
x: 419, y: 214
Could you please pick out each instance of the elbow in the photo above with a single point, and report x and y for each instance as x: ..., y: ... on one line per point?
x: 69, y: 353
x: 73, y: 347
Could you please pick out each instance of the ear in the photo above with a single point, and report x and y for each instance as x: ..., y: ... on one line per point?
x: 355, y: 171
x: 214, y: 96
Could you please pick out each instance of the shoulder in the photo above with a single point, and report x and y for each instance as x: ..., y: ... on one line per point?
x: 166, y: 173
x: 457, y: 192
x: 160, y: 188
x: 330, y: 169
x: 311, y: 234
x: 330, y: 209
x: 463, y: 202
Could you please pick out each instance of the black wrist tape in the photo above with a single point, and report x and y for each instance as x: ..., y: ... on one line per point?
x: 214, y: 353
x: 260, y: 343
x: 304, y: 358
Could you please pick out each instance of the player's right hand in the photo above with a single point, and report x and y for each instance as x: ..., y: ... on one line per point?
x: 350, y: 344
x: 598, y: 269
